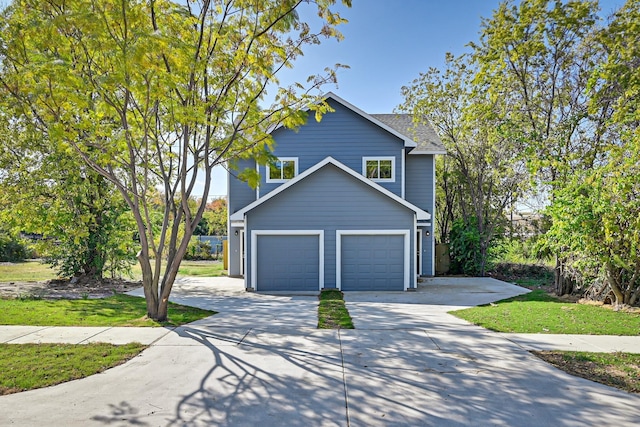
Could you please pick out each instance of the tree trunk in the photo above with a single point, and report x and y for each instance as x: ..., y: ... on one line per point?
x: 563, y: 285
x: 150, y: 296
x: 163, y: 306
x: 614, y: 285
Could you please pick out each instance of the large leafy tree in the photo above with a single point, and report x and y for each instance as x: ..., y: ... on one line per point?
x: 52, y: 193
x: 538, y: 56
x: 154, y: 94
x: 483, y: 172
x: 597, y: 215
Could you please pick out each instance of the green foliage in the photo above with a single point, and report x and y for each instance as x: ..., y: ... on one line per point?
x: 214, y: 219
x: 11, y: 249
x: 464, y: 248
x: 539, y: 313
x: 596, y: 223
x: 49, y: 192
x: 29, y: 366
x: 596, y: 216
x: 520, y: 251
x: 528, y: 275
x: 118, y: 310
x: 484, y: 169
x: 104, y: 244
x: 198, y: 250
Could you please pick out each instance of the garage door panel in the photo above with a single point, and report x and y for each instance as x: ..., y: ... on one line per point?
x: 372, y: 262
x: 288, y: 263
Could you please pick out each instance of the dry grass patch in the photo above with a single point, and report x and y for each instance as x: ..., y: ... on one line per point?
x: 619, y: 370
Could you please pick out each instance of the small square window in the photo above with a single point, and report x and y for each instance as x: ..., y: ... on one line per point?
x: 282, y: 170
x: 379, y: 169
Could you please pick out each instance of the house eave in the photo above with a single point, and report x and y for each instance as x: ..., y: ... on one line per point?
x: 424, y: 152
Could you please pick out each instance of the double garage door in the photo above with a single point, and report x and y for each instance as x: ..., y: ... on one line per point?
x: 364, y: 262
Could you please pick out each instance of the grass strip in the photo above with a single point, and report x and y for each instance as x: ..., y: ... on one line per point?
x: 620, y: 370
x: 332, y: 313
x: 538, y: 312
x: 29, y: 366
x: 117, y: 310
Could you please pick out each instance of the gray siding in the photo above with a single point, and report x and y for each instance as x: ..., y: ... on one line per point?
x: 343, y: 135
x: 419, y: 181
x: 240, y: 195
x: 330, y: 200
x: 419, y: 191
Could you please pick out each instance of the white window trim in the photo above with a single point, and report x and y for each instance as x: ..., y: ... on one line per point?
x: 282, y: 159
x: 379, y: 158
x: 407, y: 250
x: 254, y: 251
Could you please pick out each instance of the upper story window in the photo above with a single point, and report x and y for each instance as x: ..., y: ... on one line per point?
x: 284, y: 169
x: 379, y: 169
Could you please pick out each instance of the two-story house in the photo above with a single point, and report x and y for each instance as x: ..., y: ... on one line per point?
x: 348, y: 205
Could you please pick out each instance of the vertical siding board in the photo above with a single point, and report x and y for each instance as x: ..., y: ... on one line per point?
x: 330, y: 200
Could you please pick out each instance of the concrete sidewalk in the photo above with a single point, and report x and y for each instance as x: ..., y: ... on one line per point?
x: 150, y: 336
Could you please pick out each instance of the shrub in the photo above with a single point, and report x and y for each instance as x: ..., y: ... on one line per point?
x: 12, y: 250
x: 198, y: 250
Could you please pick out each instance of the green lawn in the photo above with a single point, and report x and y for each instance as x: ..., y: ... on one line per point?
x: 332, y: 313
x: 28, y: 271
x: 28, y: 366
x: 35, y: 271
x: 118, y: 310
x: 537, y: 312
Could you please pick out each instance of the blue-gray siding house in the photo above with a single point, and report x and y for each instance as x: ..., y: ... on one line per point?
x: 349, y: 205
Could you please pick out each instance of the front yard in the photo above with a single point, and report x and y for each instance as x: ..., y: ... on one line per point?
x: 29, y: 366
x: 539, y: 312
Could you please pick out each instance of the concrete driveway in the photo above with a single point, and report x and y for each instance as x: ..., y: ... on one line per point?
x: 261, y: 361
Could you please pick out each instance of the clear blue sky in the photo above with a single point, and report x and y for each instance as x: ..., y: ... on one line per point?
x: 387, y: 43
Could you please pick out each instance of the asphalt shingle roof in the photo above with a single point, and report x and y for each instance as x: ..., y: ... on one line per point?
x: 422, y: 133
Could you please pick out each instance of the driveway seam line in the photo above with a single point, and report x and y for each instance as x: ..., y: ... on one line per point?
x: 86, y: 340
x: 42, y: 328
x: 163, y: 335
x: 344, y: 380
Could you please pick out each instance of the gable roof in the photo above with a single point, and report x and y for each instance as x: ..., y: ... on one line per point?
x: 421, y: 215
x: 427, y: 139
